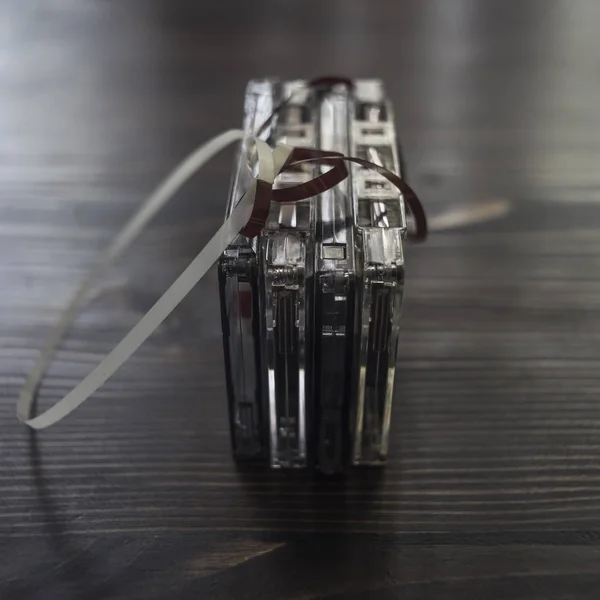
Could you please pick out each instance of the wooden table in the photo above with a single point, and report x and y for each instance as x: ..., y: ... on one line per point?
x: 493, y: 488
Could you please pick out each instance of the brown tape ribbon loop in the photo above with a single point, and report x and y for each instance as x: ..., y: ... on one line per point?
x: 334, y: 176
x: 326, y: 181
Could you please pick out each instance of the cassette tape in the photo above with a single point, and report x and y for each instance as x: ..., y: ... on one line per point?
x: 311, y: 307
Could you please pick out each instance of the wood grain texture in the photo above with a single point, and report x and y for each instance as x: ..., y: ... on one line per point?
x: 493, y: 487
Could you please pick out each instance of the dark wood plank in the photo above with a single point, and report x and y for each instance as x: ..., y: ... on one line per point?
x: 493, y: 487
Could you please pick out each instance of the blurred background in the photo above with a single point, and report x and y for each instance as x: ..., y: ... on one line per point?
x: 493, y: 486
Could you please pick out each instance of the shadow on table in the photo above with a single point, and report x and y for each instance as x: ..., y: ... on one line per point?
x: 69, y: 567
x: 302, y: 502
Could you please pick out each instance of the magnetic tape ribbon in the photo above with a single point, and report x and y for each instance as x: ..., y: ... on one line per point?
x: 247, y: 218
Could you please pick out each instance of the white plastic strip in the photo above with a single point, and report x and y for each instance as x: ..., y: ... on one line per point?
x: 167, y: 303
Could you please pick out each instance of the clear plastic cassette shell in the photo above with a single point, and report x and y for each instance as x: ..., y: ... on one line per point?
x: 311, y: 307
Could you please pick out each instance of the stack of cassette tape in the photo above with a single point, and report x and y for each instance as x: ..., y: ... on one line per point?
x: 311, y: 306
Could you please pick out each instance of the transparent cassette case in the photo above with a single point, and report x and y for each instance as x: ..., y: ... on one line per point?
x: 334, y: 291
x: 239, y: 295
x: 381, y: 228
x: 266, y: 296
x: 286, y: 250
